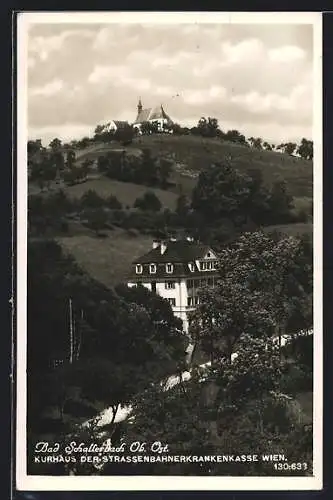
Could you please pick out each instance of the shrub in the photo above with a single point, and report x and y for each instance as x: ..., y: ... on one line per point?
x: 149, y: 201
x: 113, y: 202
x: 90, y: 199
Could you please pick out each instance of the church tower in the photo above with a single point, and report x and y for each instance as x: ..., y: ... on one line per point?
x: 139, y: 106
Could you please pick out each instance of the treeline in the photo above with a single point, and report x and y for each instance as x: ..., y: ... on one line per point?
x: 143, y: 169
x: 224, y: 202
x: 92, y: 348
x: 209, y: 127
x: 89, y: 346
x: 46, y: 165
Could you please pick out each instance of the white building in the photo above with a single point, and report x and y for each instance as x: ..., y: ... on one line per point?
x: 176, y: 269
x: 152, y: 115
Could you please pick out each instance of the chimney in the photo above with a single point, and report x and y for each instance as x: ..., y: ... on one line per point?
x: 163, y: 247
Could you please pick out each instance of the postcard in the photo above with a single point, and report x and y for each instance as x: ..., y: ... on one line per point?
x: 169, y: 196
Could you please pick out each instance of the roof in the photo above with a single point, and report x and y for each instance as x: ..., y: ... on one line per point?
x: 143, y: 116
x: 148, y: 114
x: 181, y: 251
x: 120, y: 123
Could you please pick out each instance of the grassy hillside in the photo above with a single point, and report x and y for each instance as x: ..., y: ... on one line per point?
x: 195, y: 153
x: 109, y: 259
x: 126, y: 192
x: 106, y: 259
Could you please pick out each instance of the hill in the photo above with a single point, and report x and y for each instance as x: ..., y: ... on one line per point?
x: 108, y: 259
x: 191, y: 154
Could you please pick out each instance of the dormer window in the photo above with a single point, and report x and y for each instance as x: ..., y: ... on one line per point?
x: 152, y: 268
x: 191, y: 267
x: 138, y: 269
x: 169, y: 268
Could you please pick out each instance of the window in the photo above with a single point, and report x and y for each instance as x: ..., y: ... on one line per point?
x: 170, y: 285
x: 190, y: 283
x: 192, y: 301
x: 153, y: 286
x: 169, y: 268
x: 172, y: 302
x: 203, y: 266
x: 152, y: 268
x: 138, y: 269
x: 208, y: 254
x: 191, y: 266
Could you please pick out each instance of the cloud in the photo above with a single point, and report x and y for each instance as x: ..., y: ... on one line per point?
x: 299, y: 100
x: 204, y: 96
x: 49, y: 89
x: 236, y: 73
x: 287, y: 54
x: 245, y: 51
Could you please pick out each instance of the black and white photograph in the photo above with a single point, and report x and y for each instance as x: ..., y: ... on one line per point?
x: 169, y: 309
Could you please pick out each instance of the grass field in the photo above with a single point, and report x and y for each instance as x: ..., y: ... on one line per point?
x: 198, y: 153
x: 109, y: 259
x: 126, y: 192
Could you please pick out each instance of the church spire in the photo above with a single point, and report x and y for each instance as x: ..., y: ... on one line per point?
x: 139, y: 106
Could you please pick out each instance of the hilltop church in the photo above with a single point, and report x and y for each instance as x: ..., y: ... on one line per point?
x: 152, y: 115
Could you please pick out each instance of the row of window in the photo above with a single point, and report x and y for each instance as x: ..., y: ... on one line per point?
x: 204, y: 266
x: 196, y: 283
x: 191, y: 301
x: 153, y: 268
x: 208, y: 266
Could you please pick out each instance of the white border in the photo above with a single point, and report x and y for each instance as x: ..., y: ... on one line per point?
x: 144, y: 483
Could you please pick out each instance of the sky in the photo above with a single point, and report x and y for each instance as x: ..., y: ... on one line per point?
x: 256, y: 78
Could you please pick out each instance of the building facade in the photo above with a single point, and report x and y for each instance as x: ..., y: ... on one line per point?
x: 176, y: 269
x: 155, y: 115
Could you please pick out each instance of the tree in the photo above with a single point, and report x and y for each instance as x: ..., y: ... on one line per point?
x: 164, y: 169
x: 289, y: 148
x: 259, y: 198
x: 86, y: 336
x: 124, y: 135
x: 55, y: 144
x: 305, y: 149
x: 113, y: 202
x: 70, y: 159
x: 280, y: 203
x: 182, y: 206
x: 267, y: 146
x: 90, y: 199
x: 149, y: 201
x: 34, y: 147
x: 221, y: 191
x: 234, y: 136
x: 207, y: 127
x: 271, y: 279
x: 236, y: 407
